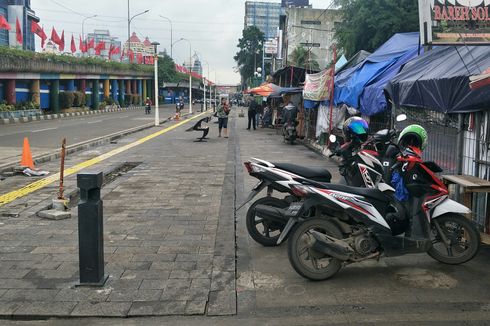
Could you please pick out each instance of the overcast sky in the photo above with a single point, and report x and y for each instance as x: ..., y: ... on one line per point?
x: 212, y: 26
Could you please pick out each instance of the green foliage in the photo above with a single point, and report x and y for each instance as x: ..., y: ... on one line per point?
x: 303, y: 58
x: 67, y: 99
x: 63, y: 58
x: 128, y: 100
x: 250, y: 51
x: 20, y: 106
x: 135, y: 99
x: 4, y: 107
x: 109, y: 100
x: 102, y: 105
x: 369, y: 23
x: 79, y: 99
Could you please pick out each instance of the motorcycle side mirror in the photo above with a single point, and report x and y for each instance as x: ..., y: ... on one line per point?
x: 332, y: 138
x: 401, y: 117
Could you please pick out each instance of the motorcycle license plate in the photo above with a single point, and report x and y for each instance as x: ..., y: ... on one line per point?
x: 294, y: 209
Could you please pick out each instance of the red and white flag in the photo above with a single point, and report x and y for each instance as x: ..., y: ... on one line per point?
x: 55, y: 37
x: 39, y: 31
x: 73, y: 47
x: 18, y: 32
x: 62, y: 42
x: 82, y: 46
x: 4, y: 24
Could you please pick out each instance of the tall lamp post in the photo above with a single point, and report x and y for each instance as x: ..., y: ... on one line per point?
x: 157, y: 113
x: 205, y: 105
x: 171, y: 36
x: 190, y: 71
x: 83, y: 22
x: 129, y: 24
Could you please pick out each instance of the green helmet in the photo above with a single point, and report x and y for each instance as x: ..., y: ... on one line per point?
x: 413, y: 135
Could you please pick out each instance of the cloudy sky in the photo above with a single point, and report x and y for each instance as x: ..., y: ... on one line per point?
x: 212, y: 26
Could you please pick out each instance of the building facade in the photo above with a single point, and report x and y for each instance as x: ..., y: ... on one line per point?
x: 314, y: 29
x: 103, y: 35
x: 263, y: 15
x: 13, y: 10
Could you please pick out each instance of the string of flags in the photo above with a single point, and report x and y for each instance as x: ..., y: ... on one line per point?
x: 114, y: 52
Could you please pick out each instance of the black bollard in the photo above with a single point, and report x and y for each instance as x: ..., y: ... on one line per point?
x: 91, y: 230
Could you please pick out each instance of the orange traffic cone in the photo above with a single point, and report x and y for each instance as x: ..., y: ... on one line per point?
x: 26, y: 155
x: 177, y: 116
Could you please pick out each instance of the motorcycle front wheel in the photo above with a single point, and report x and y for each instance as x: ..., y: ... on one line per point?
x: 262, y: 231
x: 307, y: 262
x: 464, y: 240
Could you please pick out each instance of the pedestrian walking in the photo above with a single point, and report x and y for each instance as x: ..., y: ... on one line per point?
x: 148, y: 105
x: 252, y: 111
x: 222, y: 114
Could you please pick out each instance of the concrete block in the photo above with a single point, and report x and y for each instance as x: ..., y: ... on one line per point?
x: 54, y: 214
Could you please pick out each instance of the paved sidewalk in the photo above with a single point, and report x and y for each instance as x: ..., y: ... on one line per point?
x: 169, y: 244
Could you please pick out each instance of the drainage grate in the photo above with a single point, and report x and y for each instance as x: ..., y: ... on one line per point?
x: 119, y: 171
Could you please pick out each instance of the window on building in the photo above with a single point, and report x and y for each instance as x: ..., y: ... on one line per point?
x: 4, y: 34
x: 311, y: 22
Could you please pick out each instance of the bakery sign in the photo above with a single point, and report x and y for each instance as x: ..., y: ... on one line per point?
x: 455, y: 21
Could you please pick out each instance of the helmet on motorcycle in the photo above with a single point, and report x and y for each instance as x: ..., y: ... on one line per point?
x: 413, y: 135
x: 355, y: 128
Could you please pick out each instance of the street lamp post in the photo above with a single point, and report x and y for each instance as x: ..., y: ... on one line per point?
x: 190, y: 71
x: 157, y: 113
x: 205, y: 105
x: 129, y: 24
x: 83, y: 22
x: 171, y: 36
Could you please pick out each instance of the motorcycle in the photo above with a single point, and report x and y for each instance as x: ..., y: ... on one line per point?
x: 367, y: 224
x: 265, y: 220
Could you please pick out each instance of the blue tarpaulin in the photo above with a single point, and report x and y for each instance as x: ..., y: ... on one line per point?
x: 350, y: 84
x: 373, y: 99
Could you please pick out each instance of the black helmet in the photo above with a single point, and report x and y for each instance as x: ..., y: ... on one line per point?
x: 355, y: 128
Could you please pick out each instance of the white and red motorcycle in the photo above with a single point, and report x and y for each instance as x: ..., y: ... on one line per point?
x: 359, y: 224
x: 361, y: 166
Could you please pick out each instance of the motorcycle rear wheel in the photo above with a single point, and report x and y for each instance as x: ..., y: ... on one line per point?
x: 260, y: 230
x: 307, y: 262
x: 464, y: 237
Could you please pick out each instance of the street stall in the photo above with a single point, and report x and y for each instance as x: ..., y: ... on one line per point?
x: 434, y: 90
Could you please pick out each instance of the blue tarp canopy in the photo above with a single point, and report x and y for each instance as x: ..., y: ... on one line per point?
x: 439, y: 80
x: 376, y: 70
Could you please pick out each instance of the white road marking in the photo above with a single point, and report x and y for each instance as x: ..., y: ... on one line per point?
x: 44, y: 129
x: 90, y: 122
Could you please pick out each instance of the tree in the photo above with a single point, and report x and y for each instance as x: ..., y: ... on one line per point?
x: 167, y: 72
x: 369, y: 23
x: 304, y: 58
x: 249, y: 57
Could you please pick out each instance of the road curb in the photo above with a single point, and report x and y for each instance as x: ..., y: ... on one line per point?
x: 64, y: 115
x: 53, y: 155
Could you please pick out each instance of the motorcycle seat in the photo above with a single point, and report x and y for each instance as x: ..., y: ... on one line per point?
x: 365, y: 192
x: 313, y: 173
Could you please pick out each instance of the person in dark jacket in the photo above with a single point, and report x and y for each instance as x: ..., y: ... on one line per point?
x: 252, y: 111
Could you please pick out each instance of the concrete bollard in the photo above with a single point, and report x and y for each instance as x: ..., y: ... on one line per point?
x: 90, y: 230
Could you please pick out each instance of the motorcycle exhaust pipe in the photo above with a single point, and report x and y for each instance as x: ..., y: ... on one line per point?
x: 271, y: 213
x: 331, y: 246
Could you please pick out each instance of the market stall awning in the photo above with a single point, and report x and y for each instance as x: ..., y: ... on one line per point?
x: 352, y: 82
x: 440, y: 80
x: 273, y: 90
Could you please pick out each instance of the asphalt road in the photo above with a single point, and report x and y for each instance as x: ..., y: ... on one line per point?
x: 46, y: 135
